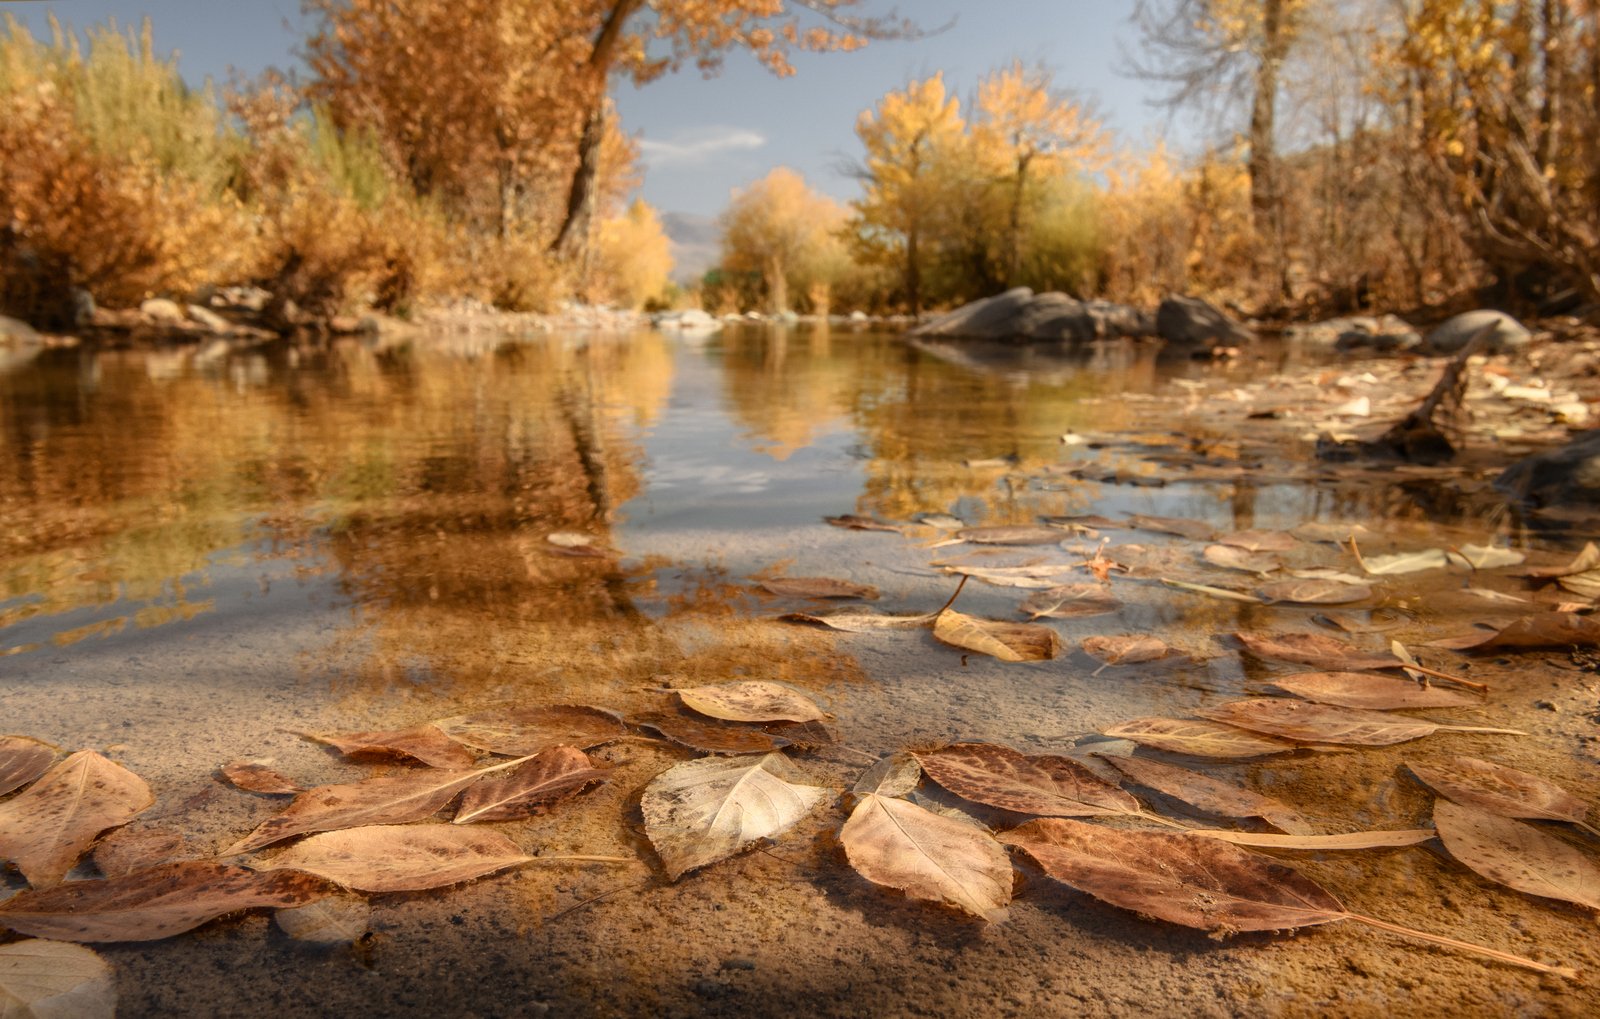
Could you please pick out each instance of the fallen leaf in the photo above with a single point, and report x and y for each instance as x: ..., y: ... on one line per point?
x: 1209, y: 795
x: 1315, y: 650
x: 1516, y: 855
x: 852, y: 522
x: 1550, y: 630
x: 1374, y: 693
x: 152, y: 904
x: 569, y: 539
x: 801, y: 735
x: 1019, y: 534
x: 42, y: 979
x: 1353, y: 624
x: 1007, y: 641
x: 943, y: 521
x: 23, y: 759
x: 256, y: 777
x: 1231, y: 557
x: 1325, y: 723
x: 46, y: 827
x: 523, y: 731
x: 1314, y: 592
x: 387, y: 799
x: 425, y: 743
x: 897, y: 844
x: 1488, y: 594
x: 1486, y: 557
x: 548, y: 777
x: 1037, y: 577
x: 1044, y: 784
x: 1191, y: 529
x: 1327, y: 573
x: 860, y: 621
x: 1260, y: 541
x: 1484, y: 785
x: 1225, y: 593
x: 702, y: 811
x: 709, y: 737
x: 1071, y: 601
x: 337, y: 919
x: 1317, y: 843
x: 1331, y: 532
x: 751, y: 701
x: 895, y: 774
x: 1585, y: 561
x: 1404, y: 562
x: 1198, y: 738
x: 816, y: 587
x: 1129, y: 650
x: 400, y: 857
x: 126, y: 850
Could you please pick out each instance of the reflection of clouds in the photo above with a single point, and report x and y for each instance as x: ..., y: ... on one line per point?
x: 673, y: 473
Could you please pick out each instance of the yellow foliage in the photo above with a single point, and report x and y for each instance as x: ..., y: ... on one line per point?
x: 635, y: 256
x: 787, y: 234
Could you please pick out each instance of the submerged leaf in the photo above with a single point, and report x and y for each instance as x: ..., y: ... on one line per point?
x: 1071, y: 601
x: 1192, y: 529
x: 1498, y: 789
x: 898, y: 844
x: 895, y: 774
x: 337, y: 919
x: 46, y: 827
x: 1020, y: 534
x: 23, y: 759
x: 425, y: 743
x: 1041, y: 577
x: 1315, y: 650
x: 1370, y: 691
x: 1129, y: 650
x: 256, y: 777
x: 1325, y: 723
x: 1044, y: 784
x: 523, y: 731
x: 401, y: 858
x: 702, y: 811
x: 1198, y: 738
x: 151, y: 904
x: 1317, y: 843
x: 549, y: 776
x: 1231, y: 557
x: 1314, y: 592
x: 42, y: 979
x: 1517, y: 855
x: 129, y: 849
x: 852, y: 522
x: 1225, y: 593
x: 1404, y: 562
x: 1209, y: 795
x: 816, y: 587
x: 1007, y: 641
x: 860, y: 620
x: 1550, y: 630
x: 751, y: 701
x: 1332, y: 532
x: 1260, y: 541
x: 711, y: 737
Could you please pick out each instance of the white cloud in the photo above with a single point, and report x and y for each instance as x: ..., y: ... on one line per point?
x: 690, y: 148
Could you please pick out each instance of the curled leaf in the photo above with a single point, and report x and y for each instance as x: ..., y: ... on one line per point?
x: 1550, y: 630
x: 1007, y: 641
x: 1317, y: 843
x: 899, y: 844
x: 46, y: 827
x: 425, y: 743
x: 23, y: 759
x: 895, y: 774
x: 751, y: 701
x: 1497, y: 789
x: 1315, y: 650
x: 860, y: 621
x: 337, y: 919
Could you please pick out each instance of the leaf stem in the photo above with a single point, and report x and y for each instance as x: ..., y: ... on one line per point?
x: 953, y: 597
x: 582, y: 858
x: 1435, y: 673
x: 1479, y: 728
x: 1466, y: 946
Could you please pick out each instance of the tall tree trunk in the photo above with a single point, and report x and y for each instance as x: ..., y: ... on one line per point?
x: 1014, y: 240
x: 1266, y: 198
x: 777, y: 283
x: 913, y: 273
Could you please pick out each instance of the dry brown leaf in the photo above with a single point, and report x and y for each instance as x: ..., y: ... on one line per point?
x: 1261, y: 541
x: 524, y: 731
x: 1229, y: 557
x: 23, y: 759
x: 387, y: 799
x: 129, y: 849
x: 337, y: 919
x: 816, y: 587
x: 999, y: 776
x: 1586, y: 562
x: 1403, y: 562
x: 426, y: 743
x: 1019, y: 534
x: 1315, y: 650
x: 1516, y: 855
x: 1209, y: 795
x: 1314, y: 592
x: 1225, y: 593
x: 548, y: 777
x: 860, y: 621
x: 852, y: 522
x: 1485, y: 557
x: 702, y: 811
x: 151, y: 904
x: 1198, y: 738
x: 1183, y: 528
x: 1033, y: 577
x: 895, y: 774
x: 400, y: 857
x: 1497, y: 789
x: 712, y: 737
x: 1325, y: 723
x: 1333, y: 532
x: 897, y: 844
x: 42, y: 979
x: 751, y: 701
x: 801, y: 736
x: 1369, y: 691
x: 46, y: 827
x: 1129, y: 650
x: 1550, y: 630
x: 1007, y: 641
x: 1071, y: 601
x: 256, y: 777
x: 1317, y: 843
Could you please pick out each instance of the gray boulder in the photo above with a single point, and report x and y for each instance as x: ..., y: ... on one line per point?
x: 1569, y: 474
x: 1191, y: 322
x: 992, y: 318
x: 1449, y: 336
x: 1020, y: 315
x: 1356, y: 332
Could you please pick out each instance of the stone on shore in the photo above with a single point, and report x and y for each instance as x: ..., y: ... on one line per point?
x: 1019, y: 315
x: 1568, y: 474
x: 1190, y: 322
x: 1449, y: 336
x: 1385, y: 334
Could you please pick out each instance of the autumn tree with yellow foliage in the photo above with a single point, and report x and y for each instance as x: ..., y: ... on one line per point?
x: 634, y: 256
x: 787, y: 234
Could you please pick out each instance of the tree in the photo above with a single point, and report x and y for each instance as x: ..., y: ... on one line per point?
x: 635, y: 255
x: 780, y: 228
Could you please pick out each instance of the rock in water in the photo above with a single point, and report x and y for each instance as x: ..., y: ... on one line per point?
x: 1191, y: 322
x: 1449, y: 336
x: 1020, y: 315
x: 1570, y: 474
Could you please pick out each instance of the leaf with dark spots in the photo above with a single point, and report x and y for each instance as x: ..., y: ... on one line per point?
x: 23, y: 759
x: 425, y: 743
x: 1497, y: 789
x: 999, y: 776
x: 1550, y: 630
x: 257, y: 777
x: 126, y: 850
x: 1209, y: 795
x: 1306, y: 722
x: 751, y: 701
x: 816, y: 587
x: 550, y: 776
x: 400, y: 858
x: 1198, y: 738
x: 1517, y: 855
x: 710, y: 737
x: 46, y: 827
x: 148, y: 905
x: 1370, y: 691
x: 1315, y: 650
x: 524, y: 731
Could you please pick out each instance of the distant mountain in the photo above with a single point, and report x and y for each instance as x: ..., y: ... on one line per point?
x: 695, y: 244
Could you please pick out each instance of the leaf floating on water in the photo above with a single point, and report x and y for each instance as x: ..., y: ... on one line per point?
x: 1183, y: 528
x: 1326, y: 573
x: 1216, y: 592
x: 1045, y: 784
x: 1198, y: 738
x: 1018, y: 534
x: 1488, y: 594
x: 1317, y: 843
x: 1046, y: 576
x: 425, y: 743
x: 548, y: 777
x: 1550, y: 630
x: 1314, y: 592
x: 1371, y: 692
x: 699, y: 812
x: 524, y: 731
x: 1324, y: 723
x: 256, y: 777
x: 1498, y: 789
x: 1332, y: 533
x: 1516, y: 855
x: 711, y: 738
x: 1007, y: 641
x: 23, y: 759
x: 46, y: 827
x: 751, y: 701
x: 400, y: 857
x: 816, y: 587
x: 852, y: 522
x: 387, y: 799
x: 338, y: 919
x: 152, y: 904
x: 897, y: 844
x: 895, y: 774
x: 1209, y: 795
x: 1231, y: 557
x: 1585, y: 562
x: 1486, y: 557
x: 129, y: 849
x: 1071, y: 601
x: 1261, y: 541
x: 1403, y: 562
x: 42, y: 979
x: 1129, y: 650
x: 860, y: 621
x: 1315, y: 650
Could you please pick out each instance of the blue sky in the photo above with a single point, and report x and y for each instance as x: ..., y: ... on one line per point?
x: 701, y: 138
